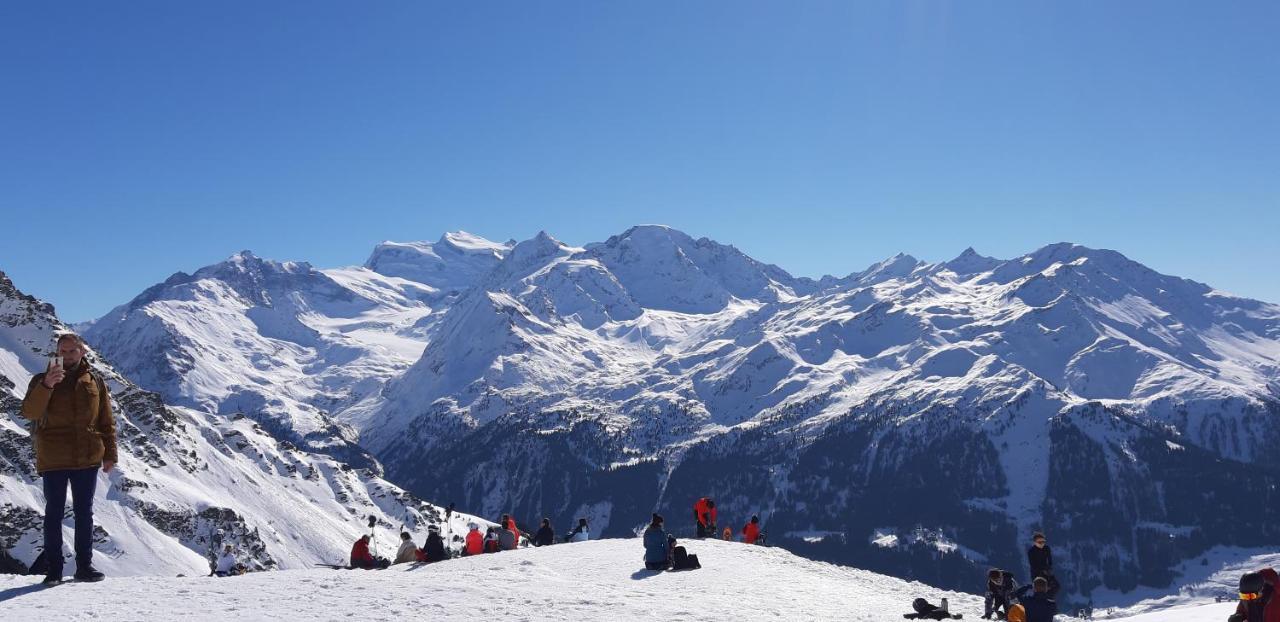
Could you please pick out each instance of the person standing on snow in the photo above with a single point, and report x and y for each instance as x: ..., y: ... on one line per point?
x: 1040, y: 559
x: 704, y: 511
x: 751, y: 531
x: 75, y: 435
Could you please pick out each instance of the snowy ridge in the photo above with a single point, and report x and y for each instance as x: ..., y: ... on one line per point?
x: 180, y: 486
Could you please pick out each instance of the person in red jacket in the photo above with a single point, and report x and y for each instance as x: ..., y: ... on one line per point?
x: 1259, y: 601
x: 360, y: 557
x: 475, y: 540
x: 704, y: 511
x: 751, y: 531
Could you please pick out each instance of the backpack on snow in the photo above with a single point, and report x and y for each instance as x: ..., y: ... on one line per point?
x: 682, y: 560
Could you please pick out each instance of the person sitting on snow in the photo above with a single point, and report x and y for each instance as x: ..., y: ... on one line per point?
x: 581, y: 533
x: 475, y: 540
x: 408, y: 550
x: 433, y: 549
x: 226, y: 563
x: 546, y: 535
x: 1039, y: 605
x: 360, y: 557
x: 657, y: 553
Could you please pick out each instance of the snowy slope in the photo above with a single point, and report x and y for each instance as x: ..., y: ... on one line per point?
x: 283, y: 343
x: 187, y: 479
x: 598, y: 580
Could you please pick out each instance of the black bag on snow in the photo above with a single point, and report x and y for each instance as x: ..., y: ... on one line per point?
x: 682, y: 560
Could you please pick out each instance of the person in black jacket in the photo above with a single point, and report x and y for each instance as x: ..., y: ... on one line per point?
x: 1040, y: 606
x: 1040, y: 558
x: 1000, y: 587
x: 546, y: 535
x: 433, y: 548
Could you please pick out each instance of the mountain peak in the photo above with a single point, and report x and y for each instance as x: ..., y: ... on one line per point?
x: 970, y: 262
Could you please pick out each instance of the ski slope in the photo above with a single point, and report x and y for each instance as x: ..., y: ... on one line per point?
x: 599, y: 580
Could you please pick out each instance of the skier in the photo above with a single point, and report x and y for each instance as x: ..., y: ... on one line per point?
x: 475, y: 540
x: 1040, y: 558
x: 1040, y: 606
x: 1258, y: 600
x: 1000, y: 587
x: 581, y: 533
x: 751, y: 531
x: 408, y: 551
x: 433, y: 549
x: 226, y: 563
x: 546, y: 535
x: 491, y: 541
x: 657, y: 553
x: 704, y: 511
x: 360, y: 557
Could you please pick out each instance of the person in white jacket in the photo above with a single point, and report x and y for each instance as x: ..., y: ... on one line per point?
x: 226, y: 563
x: 580, y: 533
x: 408, y: 550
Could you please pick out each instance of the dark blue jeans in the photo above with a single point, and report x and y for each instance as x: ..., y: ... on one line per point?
x: 83, y: 483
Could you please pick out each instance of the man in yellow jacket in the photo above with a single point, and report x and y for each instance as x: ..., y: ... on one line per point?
x: 75, y: 435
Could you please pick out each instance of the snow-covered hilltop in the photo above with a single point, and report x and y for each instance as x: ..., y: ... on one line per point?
x: 186, y: 479
x: 915, y: 418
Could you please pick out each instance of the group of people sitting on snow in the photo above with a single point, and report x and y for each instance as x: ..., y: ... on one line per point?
x: 505, y: 536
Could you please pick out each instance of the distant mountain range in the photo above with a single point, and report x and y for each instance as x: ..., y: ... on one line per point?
x: 914, y: 418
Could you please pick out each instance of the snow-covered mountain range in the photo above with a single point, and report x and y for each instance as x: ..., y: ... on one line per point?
x: 188, y: 480
x: 916, y: 418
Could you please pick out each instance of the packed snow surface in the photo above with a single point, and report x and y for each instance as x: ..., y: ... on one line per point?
x: 599, y: 580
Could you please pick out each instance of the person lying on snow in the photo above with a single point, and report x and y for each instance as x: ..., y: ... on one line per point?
x: 924, y: 610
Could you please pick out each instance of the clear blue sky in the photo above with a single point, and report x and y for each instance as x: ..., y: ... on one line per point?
x: 142, y: 138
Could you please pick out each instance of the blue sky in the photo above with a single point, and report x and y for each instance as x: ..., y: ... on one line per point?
x: 138, y: 139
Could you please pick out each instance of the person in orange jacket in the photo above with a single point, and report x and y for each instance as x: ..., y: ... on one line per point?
x: 751, y: 531
x: 704, y: 511
x: 475, y: 540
